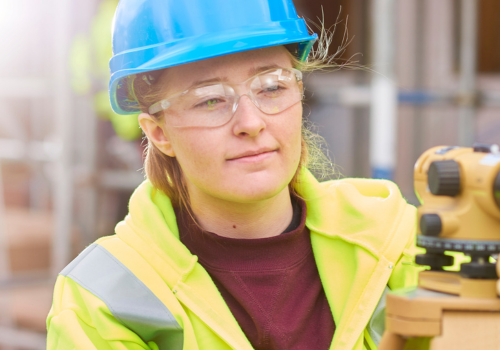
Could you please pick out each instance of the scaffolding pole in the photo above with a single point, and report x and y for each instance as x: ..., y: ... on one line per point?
x: 468, y: 67
x: 63, y: 175
x: 4, y: 243
x: 418, y: 83
x: 384, y: 91
x: 87, y: 194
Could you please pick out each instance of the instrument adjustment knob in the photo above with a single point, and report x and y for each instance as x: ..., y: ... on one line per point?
x: 482, y: 148
x: 435, y: 261
x: 444, y: 178
x: 431, y: 225
x: 485, y: 148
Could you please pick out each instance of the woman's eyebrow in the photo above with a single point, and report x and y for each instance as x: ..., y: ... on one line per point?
x: 251, y: 72
x: 208, y: 81
x: 256, y: 70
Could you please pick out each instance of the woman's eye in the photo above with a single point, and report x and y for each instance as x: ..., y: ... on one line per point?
x: 209, y: 104
x: 273, y: 90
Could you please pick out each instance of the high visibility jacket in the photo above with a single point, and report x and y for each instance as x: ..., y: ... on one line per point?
x: 142, y: 289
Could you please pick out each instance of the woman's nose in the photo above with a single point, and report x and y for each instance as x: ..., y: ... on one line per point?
x: 248, y: 118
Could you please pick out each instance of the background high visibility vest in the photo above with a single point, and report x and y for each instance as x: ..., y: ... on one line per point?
x: 143, y: 289
x: 89, y: 65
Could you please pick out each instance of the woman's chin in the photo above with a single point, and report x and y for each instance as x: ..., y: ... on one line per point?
x: 255, y: 190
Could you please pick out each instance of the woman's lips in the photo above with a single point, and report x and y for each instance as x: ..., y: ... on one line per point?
x: 253, y: 158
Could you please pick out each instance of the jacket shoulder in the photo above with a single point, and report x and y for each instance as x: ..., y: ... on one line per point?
x: 103, y: 288
x: 367, y: 187
x: 370, y: 213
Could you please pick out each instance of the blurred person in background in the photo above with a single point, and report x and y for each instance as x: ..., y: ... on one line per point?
x: 119, y: 135
x: 89, y: 62
x: 231, y: 242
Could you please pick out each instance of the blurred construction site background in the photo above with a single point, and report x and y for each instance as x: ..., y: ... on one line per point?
x: 68, y: 164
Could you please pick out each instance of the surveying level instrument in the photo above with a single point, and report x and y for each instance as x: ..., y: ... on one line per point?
x: 459, y: 192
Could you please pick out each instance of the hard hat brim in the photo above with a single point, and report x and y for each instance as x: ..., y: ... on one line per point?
x: 199, y: 48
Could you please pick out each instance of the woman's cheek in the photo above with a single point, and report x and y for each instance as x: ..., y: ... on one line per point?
x: 197, y: 152
x: 294, y: 137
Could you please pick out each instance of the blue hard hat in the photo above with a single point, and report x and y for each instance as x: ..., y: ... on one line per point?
x: 154, y: 34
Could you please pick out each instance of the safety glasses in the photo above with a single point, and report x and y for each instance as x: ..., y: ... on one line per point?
x: 212, y: 105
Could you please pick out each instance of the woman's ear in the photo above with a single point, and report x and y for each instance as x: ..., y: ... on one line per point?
x: 154, y: 131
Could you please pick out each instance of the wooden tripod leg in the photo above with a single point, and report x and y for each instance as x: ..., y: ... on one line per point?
x: 392, y: 341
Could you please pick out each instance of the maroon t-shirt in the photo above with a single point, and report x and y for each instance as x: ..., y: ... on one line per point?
x: 271, y: 285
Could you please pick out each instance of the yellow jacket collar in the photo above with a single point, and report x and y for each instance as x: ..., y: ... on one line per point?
x: 354, y: 210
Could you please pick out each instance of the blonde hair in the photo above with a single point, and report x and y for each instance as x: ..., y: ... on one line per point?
x: 165, y: 173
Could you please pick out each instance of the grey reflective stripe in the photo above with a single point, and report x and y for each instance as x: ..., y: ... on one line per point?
x: 376, y: 325
x: 127, y: 297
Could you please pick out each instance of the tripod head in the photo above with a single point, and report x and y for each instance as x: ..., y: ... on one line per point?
x: 459, y: 189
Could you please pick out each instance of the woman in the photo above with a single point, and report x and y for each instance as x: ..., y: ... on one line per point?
x: 230, y: 243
